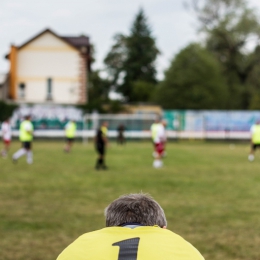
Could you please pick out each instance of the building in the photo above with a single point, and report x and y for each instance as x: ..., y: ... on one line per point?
x: 3, y: 86
x: 49, y: 68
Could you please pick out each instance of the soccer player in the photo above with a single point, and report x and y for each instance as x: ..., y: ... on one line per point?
x: 153, y: 130
x: 159, y: 138
x: 7, y: 136
x: 70, y: 132
x: 101, y: 142
x: 135, y: 230
x: 255, y: 140
x: 120, y: 135
x: 164, y: 137
x: 26, y: 137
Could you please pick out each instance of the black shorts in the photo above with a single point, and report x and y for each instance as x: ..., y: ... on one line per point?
x: 70, y: 139
x: 27, y: 145
x: 254, y: 146
x: 100, y: 149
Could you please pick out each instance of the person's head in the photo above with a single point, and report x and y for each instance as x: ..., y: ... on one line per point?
x: 157, y: 119
x: 27, y: 117
x: 135, y: 208
x: 105, y: 123
x: 164, y: 123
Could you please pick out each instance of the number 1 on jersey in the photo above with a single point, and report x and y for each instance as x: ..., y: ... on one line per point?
x: 128, y: 248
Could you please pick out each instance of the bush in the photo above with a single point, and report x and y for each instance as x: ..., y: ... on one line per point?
x: 6, y: 110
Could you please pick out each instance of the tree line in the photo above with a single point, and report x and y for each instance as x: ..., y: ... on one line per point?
x: 219, y: 71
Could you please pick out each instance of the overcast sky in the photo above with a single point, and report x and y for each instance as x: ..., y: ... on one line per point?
x: 173, y: 26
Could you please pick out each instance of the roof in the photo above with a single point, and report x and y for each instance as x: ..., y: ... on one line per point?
x: 74, y: 41
x: 77, y: 41
x: 40, y: 34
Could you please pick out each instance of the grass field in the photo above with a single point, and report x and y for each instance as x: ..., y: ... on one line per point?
x: 209, y: 191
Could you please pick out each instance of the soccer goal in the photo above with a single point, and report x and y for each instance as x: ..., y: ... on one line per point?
x: 135, y: 126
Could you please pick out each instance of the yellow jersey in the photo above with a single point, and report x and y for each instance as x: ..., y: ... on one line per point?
x: 26, y: 129
x: 123, y: 243
x: 71, y: 128
x: 255, y: 134
x: 104, y: 130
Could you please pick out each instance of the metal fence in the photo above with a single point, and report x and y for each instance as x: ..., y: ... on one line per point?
x: 49, y: 121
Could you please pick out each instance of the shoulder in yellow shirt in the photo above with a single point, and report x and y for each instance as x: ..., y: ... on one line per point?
x: 123, y: 243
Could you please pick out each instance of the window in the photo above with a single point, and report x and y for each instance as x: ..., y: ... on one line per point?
x: 21, y: 90
x: 49, y: 89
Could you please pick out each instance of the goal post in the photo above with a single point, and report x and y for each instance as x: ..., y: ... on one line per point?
x: 135, y: 125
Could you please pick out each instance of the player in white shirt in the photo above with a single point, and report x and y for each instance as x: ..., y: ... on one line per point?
x: 7, y: 136
x: 164, y: 123
x: 159, y: 139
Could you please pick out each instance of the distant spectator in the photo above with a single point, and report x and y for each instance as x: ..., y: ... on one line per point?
x: 120, y: 134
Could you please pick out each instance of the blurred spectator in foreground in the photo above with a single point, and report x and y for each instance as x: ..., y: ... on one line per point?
x: 135, y: 230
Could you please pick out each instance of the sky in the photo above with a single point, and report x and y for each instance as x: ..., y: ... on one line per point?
x: 173, y: 26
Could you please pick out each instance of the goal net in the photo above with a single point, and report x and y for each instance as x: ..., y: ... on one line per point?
x: 135, y: 126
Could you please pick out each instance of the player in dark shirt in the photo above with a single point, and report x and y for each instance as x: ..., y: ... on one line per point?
x: 101, y: 143
x: 120, y: 136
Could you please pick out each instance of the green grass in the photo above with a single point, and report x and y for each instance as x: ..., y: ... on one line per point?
x: 210, y: 194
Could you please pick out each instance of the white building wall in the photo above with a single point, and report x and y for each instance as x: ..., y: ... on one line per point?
x: 3, y: 86
x: 49, y: 57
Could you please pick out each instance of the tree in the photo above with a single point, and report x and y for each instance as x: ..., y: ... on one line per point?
x: 231, y: 29
x: 132, y: 58
x: 6, y: 110
x: 142, y: 90
x: 116, y: 58
x: 193, y: 81
x: 254, y: 88
x: 98, y: 92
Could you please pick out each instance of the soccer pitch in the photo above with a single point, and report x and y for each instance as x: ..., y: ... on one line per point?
x: 209, y: 191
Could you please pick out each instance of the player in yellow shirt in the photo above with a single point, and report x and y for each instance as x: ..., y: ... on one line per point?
x: 255, y: 140
x: 26, y: 138
x: 70, y: 132
x: 136, y: 230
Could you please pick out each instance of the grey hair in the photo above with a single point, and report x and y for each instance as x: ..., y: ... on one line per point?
x: 135, y: 208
